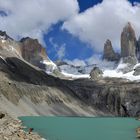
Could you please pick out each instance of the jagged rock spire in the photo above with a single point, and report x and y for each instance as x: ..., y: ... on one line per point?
x: 128, y: 41
x: 109, y: 53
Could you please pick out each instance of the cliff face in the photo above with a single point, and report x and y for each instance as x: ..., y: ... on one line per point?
x: 128, y: 42
x: 33, y: 52
x: 138, y: 49
x: 116, y: 96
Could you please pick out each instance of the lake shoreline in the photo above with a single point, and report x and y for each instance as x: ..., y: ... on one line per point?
x: 11, y: 128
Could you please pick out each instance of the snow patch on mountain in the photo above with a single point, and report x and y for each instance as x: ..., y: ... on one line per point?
x: 119, y: 74
x: 74, y: 76
x: 114, y: 73
x: 50, y: 66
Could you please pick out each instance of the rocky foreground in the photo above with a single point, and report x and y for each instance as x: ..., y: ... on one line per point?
x: 12, y: 129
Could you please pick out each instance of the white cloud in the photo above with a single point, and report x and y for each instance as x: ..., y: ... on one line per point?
x: 95, y: 60
x: 104, y: 21
x: 76, y: 62
x: 103, y: 64
x: 60, y: 50
x: 34, y: 17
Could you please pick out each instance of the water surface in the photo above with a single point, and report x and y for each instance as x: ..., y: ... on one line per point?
x: 76, y: 128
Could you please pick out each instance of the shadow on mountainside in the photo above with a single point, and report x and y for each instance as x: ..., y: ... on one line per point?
x: 21, y: 71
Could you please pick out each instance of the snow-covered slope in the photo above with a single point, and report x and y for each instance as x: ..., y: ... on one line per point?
x: 109, y: 70
x: 119, y: 74
x: 50, y: 66
x: 83, y: 71
x: 74, y: 76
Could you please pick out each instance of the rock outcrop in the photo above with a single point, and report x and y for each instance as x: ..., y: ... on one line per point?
x: 96, y: 73
x: 129, y: 63
x: 138, y: 49
x: 128, y: 41
x: 109, y: 53
x: 33, y: 52
x: 137, y: 70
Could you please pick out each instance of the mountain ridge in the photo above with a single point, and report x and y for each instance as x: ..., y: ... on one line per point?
x: 27, y: 89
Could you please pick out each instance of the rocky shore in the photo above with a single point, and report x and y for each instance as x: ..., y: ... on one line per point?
x: 12, y: 129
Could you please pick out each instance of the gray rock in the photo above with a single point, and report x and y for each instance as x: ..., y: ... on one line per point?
x: 130, y: 60
x: 137, y: 71
x: 130, y: 63
x: 109, y: 53
x: 138, y: 49
x: 128, y: 41
x: 96, y: 73
x: 60, y: 63
x: 2, y: 115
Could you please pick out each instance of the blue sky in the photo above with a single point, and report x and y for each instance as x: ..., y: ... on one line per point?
x: 70, y: 29
x: 74, y: 48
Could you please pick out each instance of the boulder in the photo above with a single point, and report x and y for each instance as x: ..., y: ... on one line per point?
x: 137, y: 70
x: 96, y: 73
x: 138, y: 132
x: 109, y: 53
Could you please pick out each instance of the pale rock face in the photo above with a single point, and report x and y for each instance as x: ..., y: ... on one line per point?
x: 8, y: 46
x: 128, y: 41
x: 109, y: 53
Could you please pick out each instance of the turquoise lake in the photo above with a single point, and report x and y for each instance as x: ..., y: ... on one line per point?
x: 77, y: 128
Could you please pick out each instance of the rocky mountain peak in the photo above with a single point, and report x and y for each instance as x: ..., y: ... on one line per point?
x: 109, y: 53
x: 3, y: 35
x: 128, y: 41
x: 33, y: 52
